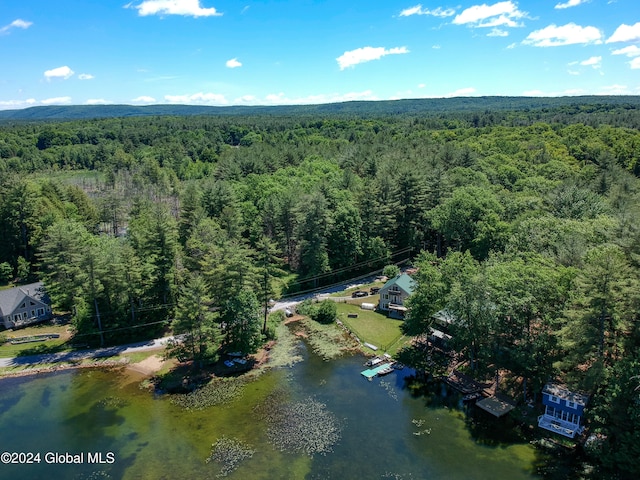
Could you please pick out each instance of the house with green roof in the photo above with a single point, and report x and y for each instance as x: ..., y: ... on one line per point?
x: 394, y: 293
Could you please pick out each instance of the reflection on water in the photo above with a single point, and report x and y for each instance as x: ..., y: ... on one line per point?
x: 387, y: 430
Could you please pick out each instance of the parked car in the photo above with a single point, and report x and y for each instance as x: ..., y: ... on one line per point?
x: 359, y: 293
x: 374, y: 290
x: 288, y: 312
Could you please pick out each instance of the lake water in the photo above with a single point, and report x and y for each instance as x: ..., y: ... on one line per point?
x: 387, y: 429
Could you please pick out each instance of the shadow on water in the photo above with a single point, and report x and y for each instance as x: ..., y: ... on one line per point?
x: 9, y: 399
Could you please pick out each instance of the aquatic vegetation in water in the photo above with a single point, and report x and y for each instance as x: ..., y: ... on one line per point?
x: 113, y: 402
x: 419, y: 423
x: 396, y: 476
x: 327, y: 341
x: 217, y: 392
x: 299, y: 427
x: 286, y: 351
x: 229, y: 453
x: 390, y: 390
x: 97, y: 475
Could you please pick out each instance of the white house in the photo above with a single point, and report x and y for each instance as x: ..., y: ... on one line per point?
x: 394, y: 293
x: 24, y: 305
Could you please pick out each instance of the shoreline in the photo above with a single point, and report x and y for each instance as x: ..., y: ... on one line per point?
x: 26, y: 372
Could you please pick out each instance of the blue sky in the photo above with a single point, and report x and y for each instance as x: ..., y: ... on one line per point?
x: 270, y: 52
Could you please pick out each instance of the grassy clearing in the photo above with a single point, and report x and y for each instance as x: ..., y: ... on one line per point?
x: 137, y: 357
x: 34, y: 348
x: 373, y: 327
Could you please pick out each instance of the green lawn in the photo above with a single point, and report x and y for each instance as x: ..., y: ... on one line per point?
x: 373, y: 327
x: 46, y: 346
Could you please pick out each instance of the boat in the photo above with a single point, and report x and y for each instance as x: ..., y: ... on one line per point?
x: 379, y: 370
x: 372, y: 362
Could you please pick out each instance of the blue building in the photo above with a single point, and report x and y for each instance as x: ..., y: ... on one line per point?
x: 564, y: 410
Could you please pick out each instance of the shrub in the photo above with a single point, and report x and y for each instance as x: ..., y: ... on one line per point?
x: 391, y: 271
x: 326, y: 312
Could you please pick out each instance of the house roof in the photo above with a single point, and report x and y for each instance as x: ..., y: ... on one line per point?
x: 496, y: 405
x: 403, y: 281
x: 564, y: 393
x: 12, y: 297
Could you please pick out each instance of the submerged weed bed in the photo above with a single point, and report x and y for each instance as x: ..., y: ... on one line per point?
x: 327, y: 341
x: 299, y: 427
x: 217, y: 392
x: 228, y: 454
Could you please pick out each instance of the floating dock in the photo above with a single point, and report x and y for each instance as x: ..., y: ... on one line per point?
x: 380, y: 370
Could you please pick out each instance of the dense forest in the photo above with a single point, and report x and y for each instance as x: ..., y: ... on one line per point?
x: 523, y: 221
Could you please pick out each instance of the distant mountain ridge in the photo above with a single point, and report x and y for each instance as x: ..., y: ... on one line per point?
x: 360, y: 108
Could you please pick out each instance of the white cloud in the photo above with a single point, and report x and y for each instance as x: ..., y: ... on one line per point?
x: 366, y: 54
x: 635, y: 63
x: 191, y: 8
x: 282, y: 99
x: 614, y: 90
x: 595, y: 62
x: 499, y: 14
x: 422, y: 85
x: 97, y: 101
x: 573, y: 72
x: 60, y: 72
x: 625, y: 33
x: 569, y: 34
x: 246, y: 100
x: 496, y: 32
x: 18, y: 23
x: 86, y: 76
x: 12, y: 104
x: 233, y: 63
x: 198, y: 99
x: 462, y: 92
x: 436, y: 47
x: 56, y: 101
x: 144, y: 99
x: 630, y: 51
x: 418, y: 10
x: 570, y: 3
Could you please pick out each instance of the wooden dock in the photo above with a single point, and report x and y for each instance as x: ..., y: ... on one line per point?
x: 464, y: 383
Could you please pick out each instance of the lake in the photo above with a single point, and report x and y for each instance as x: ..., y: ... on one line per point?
x: 385, y: 428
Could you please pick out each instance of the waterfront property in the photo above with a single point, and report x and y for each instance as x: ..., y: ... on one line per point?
x: 394, y: 293
x: 24, y: 305
x: 563, y: 410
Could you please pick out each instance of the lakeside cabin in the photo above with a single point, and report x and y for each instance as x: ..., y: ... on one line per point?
x: 394, y: 293
x: 563, y: 410
x: 24, y: 305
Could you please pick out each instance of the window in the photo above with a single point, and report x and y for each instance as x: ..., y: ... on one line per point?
x: 40, y: 312
x: 386, y: 296
x: 24, y: 315
x: 554, y: 399
x: 572, y: 405
x: 16, y: 317
x: 33, y: 313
